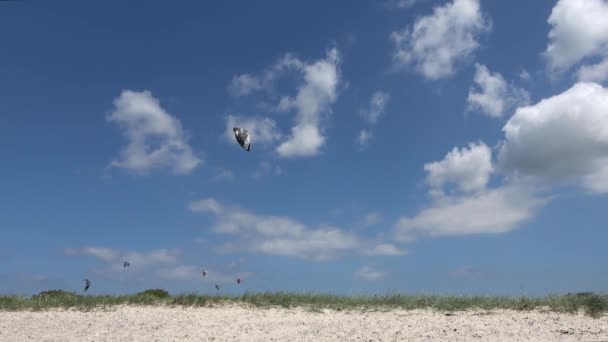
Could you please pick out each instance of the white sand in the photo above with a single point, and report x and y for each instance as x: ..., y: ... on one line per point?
x: 234, y: 323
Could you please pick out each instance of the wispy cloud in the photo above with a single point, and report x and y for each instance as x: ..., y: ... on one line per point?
x: 377, y: 107
x: 267, y: 168
x: 369, y: 274
x: 114, y: 258
x: 384, y: 249
x: 223, y: 175
x: 437, y: 44
x: 276, y: 235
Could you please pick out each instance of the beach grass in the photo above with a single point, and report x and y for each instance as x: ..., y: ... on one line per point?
x: 591, y: 303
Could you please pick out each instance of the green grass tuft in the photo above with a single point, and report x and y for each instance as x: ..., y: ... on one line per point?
x: 157, y: 293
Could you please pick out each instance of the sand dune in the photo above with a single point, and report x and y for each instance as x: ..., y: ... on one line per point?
x: 238, y: 323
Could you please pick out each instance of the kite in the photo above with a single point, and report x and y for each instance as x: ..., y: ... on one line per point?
x: 87, y: 284
x: 204, y: 272
x: 126, y: 264
x: 242, y: 137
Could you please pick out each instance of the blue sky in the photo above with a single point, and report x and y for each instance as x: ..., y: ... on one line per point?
x: 417, y: 146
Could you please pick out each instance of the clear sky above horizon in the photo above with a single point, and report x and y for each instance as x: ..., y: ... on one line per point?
x: 419, y: 146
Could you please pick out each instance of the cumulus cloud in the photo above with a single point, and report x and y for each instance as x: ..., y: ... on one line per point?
x: 262, y: 131
x: 276, y: 235
x: 469, y: 169
x: 438, y: 43
x: 494, y: 96
x: 314, y: 98
x: 370, y: 274
x: 594, y: 73
x: 317, y: 90
x: 579, y: 30
x: 305, y: 141
x: 561, y: 138
x: 156, y: 138
x: 490, y: 211
x: 473, y: 208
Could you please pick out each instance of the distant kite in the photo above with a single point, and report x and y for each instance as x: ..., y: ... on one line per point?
x: 87, y: 284
x: 217, y: 287
x: 204, y: 272
x: 242, y: 137
x: 126, y: 264
x: 238, y: 280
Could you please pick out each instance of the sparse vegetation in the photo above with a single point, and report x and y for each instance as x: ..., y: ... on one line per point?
x: 593, y: 304
x: 158, y: 293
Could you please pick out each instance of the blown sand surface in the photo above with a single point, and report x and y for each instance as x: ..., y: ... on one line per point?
x: 237, y: 323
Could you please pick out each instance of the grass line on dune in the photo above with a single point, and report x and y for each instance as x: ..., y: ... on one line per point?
x: 593, y: 304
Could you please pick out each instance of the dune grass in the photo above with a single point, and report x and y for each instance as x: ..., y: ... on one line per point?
x: 593, y: 304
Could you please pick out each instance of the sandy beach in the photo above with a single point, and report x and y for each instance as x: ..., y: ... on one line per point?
x: 237, y: 323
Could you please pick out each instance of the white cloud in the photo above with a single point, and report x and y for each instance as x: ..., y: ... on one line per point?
x: 364, y: 137
x: 206, y: 205
x: 475, y: 208
x: 377, y: 106
x: 371, y: 219
x: 305, y: 141
x: 317, y: 91
x: 315, y: 244
x: 105, y: 254
x: 114, y: 257
x: 525, y: 75
x: 276, y: 235
x: 487, y: 212
x: 145, y: 122
x: 579, y: 30
x: 247, y: 84
x: 267, y: 168
x: 243, y: 85
x: 384, y: 249
x: 368, y: 273
x: 157, y: 256
x: 495, y: 96
x: 594, y: 73
x: 314, y: 98
x: 468, y: 168
x: 438, y: 43
x: 223, y: 175
x: 561, y: 138
x: 262, y: 131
